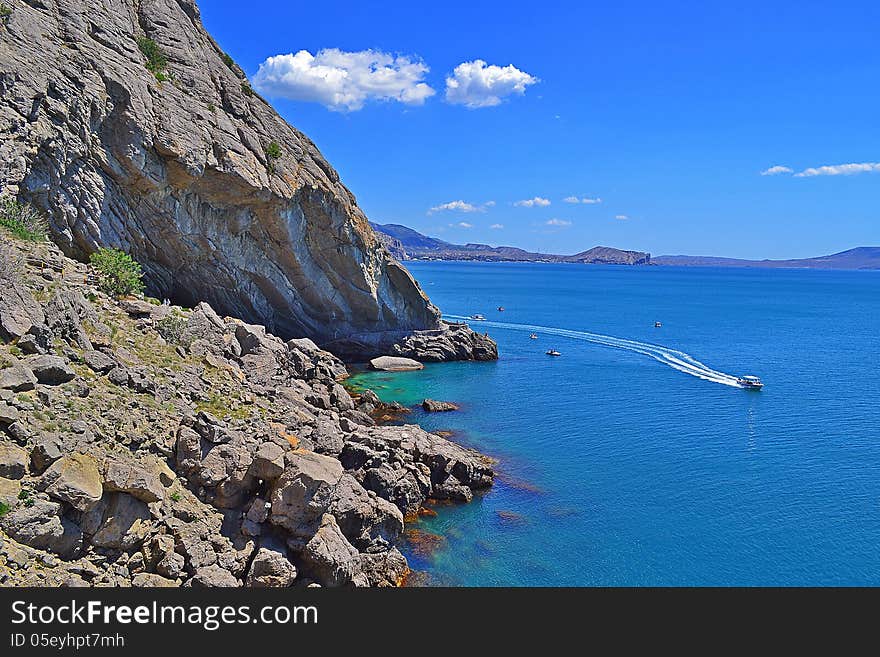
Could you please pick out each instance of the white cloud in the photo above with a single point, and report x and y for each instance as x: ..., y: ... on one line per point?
x: 476, y: 84
x: 533, y: 202
x: 776, y: 170
x: 464, y: 224
x: 496, y: 226
x: 489, y: 204
x: 559, y: 223
x: 585, y: 200
x: 621, y: 217
x: 840, y: 170
x: 454, y: 206
x: 344, y: 81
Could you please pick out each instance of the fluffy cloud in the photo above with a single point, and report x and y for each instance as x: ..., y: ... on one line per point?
x: 496, y: 226
x: 585, y: 200
x: 558, y: 223
x: 533, y: 202
x: 464, y: 224
x: 775, y: 171
x: 477, y: 84
x: 344, y: 81
x: 840, y: 170
x: 621, y: 217
x: 454, y: 206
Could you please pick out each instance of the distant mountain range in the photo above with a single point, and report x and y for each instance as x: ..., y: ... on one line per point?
x: 408, y: 244
x: 862, y: 257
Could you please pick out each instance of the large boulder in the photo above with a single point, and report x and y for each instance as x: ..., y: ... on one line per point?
x: 17, y: 377
x: 435, y: 406
x: 450, y: 342
x: 13, y: 461
x: 41, y: 525
x: 50, y: 370
x: 140, y: 479
x: 395, y: 364
x: 212, y: 576
x: 329, y: 557
x: 301, y: 495
x: 118, y: 521
x: 74, y: 479
x: 270, y: 569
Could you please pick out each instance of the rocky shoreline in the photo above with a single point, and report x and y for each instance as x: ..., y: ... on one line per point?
x: 145, y: 444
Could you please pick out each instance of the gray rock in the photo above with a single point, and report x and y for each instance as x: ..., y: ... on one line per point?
x: 74, y: 479
x: 388, y: 568
x: 268, y: 463
x: 8, y: 414
x: 151, y: 580
x: 434, y: 406
x: 13, y: 460
x: 135, y: 477
x: 211, y: 576
x: 449, y: 342
x: 18, y: 311
x: 119, y: 521
x: 47, y: 450
x: 171, y: 565
x: 50, y: 370
x: 98, y: 361
x: 301, y: 495
x: 9, y: 490
x: 395, y: 364
x: 17, y: 378
x: 329, y: 557
x: 41, y: 525
x: 270, y: 568
x: 118, y: 376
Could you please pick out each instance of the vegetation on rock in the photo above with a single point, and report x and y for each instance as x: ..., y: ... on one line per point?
x: 156, y: 59
x: 22, y: 220
x: 119, y: 274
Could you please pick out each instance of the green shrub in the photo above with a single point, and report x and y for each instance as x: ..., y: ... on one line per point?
x: 246, y: 89
x: 273, y: 152
x: 5, y: 13
x: 118, y: 273
x: 4, y: 509
x: 228, y: 60
x: 175, y: 496
x: 23, y: 494
x: 22, y: 220
x: 156, y: 59
x: 172, y: 328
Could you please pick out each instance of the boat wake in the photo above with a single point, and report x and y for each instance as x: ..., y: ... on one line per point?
x: 677, y: 360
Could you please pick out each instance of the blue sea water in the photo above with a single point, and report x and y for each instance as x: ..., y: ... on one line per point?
x: 616, y: 468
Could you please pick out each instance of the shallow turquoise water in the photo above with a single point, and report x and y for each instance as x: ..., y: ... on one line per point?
x: 616, y: 469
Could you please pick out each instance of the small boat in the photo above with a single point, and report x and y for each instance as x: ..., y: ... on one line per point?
x: 552, y: 352
x: 501, y: 309
x: 477, y: 318
x: 750, y: 382
x: 533, y: 336
x: 657, y: 324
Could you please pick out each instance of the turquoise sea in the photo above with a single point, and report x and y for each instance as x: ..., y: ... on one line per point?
x: 619, y: 465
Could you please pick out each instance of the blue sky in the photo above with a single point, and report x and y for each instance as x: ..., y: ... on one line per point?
x: 666, y: 111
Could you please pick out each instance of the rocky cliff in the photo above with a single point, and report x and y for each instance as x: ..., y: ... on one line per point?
x: 153, y: 445
x: 129, y: 127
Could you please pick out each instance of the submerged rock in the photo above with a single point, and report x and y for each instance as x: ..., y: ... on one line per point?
x: 434, y: 406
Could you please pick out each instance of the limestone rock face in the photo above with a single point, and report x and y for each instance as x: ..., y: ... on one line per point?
x: 177, y: 174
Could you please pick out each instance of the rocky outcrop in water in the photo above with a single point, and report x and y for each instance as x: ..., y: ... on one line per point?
x: 153, y: 445
x: 129, y: 127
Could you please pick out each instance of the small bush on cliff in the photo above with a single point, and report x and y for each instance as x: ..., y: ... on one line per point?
x: 172, y: 328
x: 5, y: 13
x: 118, y: 273
x: 22, y: 220
x: 156, y: 59
x: 246, y: 89
x: 228, y: 60
x: 273, y: 152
